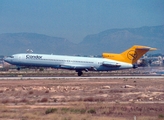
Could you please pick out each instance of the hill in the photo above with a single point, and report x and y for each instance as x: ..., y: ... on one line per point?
x: 117, y: 40
x: 112, y: 40
x: 19, y: 42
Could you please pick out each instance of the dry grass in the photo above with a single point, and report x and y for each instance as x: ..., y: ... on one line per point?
x: 85, y: 99
x: 82, y: 111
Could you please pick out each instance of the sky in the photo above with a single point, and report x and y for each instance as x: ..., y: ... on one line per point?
x: 74, y: 19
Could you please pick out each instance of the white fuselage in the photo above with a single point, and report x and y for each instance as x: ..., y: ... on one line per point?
x: 66, y: 62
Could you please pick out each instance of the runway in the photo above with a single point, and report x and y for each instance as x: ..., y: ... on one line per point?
x: 90, y: 77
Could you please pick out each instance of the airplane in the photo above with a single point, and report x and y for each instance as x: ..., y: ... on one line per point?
x: 108, y: 62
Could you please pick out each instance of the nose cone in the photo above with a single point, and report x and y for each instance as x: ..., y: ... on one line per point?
x: 7, y: 59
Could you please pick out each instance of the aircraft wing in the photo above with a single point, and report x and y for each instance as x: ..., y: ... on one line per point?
x: 77, y: 67
x: 111, y: 64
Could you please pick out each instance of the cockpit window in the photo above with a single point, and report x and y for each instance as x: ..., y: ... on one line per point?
x: 11, y: 56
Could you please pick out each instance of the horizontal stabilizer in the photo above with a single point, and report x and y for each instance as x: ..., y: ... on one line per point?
x: 145, y: 48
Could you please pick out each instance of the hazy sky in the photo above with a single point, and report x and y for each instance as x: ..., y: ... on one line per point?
x: 74, y: 19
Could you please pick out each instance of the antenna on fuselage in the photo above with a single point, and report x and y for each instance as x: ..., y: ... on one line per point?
x: 29, y: 51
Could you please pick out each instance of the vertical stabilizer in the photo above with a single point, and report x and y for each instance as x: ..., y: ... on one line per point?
x: 129, y: 56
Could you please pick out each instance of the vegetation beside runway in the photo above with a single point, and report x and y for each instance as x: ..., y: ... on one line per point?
x: 85, y: 99
x: 84, y: 111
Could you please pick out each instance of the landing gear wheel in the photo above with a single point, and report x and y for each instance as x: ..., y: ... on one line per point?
x: 18, y: 69
x: 80, y: 73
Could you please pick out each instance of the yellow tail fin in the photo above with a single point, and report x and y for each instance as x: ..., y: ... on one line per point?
x: 129, y: 56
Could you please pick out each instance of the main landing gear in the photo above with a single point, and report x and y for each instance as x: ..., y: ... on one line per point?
x: 79, y: 72
x: 18, y: 68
